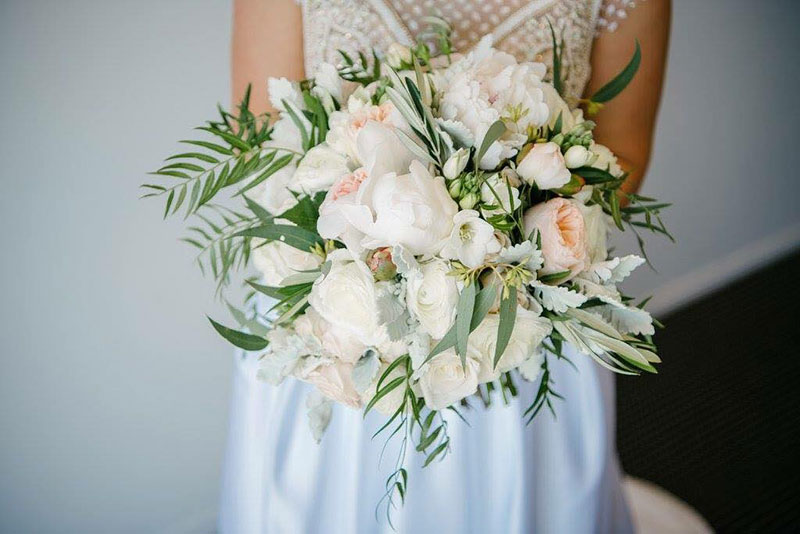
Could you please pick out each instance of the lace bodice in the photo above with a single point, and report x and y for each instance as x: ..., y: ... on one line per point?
x: 520, y: 27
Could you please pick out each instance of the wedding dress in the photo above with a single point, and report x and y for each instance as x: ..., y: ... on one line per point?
x: 558, y: 475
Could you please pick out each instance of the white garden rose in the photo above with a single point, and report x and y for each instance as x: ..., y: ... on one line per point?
x: 431, y: 297
x: 346, y: 298
x: 318, y: 170
x: 544, y: 165
x: 471, y: 239
x: 334, y: 380
x: 332, y: 341
x: 563, y: 235
x: 528, y: 333
x: 486, y: 86
x: 277, y: 260
x: 444, y: 381
x: 413, y: 210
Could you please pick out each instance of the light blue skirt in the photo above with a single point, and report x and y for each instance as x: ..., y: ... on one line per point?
x: 555, y: 475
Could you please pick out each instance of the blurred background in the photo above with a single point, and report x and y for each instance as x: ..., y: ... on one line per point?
x: 114, y: 390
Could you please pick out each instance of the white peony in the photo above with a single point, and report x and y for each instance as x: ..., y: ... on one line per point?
x: 528, y: 333
x: 471, y: 239
x: 560, y: 224
x: 544, y: 165
x: 318, y: 170
x: 486, y: 86
x: 431, y: 297
x: 276, y: 261
x: 346, y: 297
x: 444, y: 381
x: 413, y: 210
x: 332, y: 224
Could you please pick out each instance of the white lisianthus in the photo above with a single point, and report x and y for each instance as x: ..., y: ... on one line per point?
x: 528, y: 333
x: 332, y: 342
x: 563, y: 235
x: 597, y: 224
x: 282, y: 91
x: 606, y: 160
x: 486, y: 86
x: 544, y: 165
x: 318, y: 170
x: 558, y: 107
x: 497, y: 192
x: 471, y: 239
x: 334, y: 380
x: 455, y: 164
x: 577, y: 156
x: 444, y: 381
x: 413, y: 210
x: 346, y: 298
x: 431, y: 297
x: 277, y: 260
x: 398, y: 55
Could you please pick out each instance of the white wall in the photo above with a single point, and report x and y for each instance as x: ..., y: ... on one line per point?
x: 114, y: 390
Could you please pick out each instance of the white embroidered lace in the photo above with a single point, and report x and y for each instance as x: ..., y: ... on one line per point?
x: 520, y: 27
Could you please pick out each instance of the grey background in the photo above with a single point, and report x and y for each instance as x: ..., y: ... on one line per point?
x: 114, y: 390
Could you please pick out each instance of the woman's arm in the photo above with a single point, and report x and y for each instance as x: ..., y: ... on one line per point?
x: 267, y: 41
x: 626, y: 123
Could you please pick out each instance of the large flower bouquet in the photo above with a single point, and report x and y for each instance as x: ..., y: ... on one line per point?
x: 429, y: 229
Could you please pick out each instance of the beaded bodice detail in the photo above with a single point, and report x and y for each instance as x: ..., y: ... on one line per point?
x: 519, y: 27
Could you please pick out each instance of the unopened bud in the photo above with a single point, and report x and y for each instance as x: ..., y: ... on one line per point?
x: 455, y: 189
x: 511, y: 177
x: 381, y: 264
x: 577, y: 156
x: 398, y: 56
x: 468, y: 202
x: 456, y: 164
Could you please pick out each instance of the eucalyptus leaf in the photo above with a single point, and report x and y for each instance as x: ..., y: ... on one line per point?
x: 466, y: 304
x: 240, y: 339
x: 508, y: 316
x: 621, y: 80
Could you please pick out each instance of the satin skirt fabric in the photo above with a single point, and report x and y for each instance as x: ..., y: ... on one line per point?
x: 555, y: 475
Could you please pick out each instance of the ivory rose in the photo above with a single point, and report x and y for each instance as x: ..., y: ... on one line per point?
x: 563, y: 235
x: 528, y: 333
x: 318, y: 170
x: 334, y: 380
x: 332, y: 223
x: 431, y: 297
x: 544, y: 165
x: 346, y: 298
x: 444, y: 380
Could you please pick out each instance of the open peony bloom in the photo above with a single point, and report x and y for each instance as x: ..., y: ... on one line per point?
x: 563, y: 234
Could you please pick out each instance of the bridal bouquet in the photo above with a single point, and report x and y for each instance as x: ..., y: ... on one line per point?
x: 428, y: 229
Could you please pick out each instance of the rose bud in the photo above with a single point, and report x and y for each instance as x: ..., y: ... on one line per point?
x: 455, y: 164
x: 577, y: 156
x: 511, y: 177
x: 381, y: 264
x: 544, y: 165
x: 469, y: 201
x: 397, y: 56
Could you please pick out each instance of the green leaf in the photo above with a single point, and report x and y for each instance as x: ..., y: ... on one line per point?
x: 262, y: 214
x: 228, y: 137
x: 508, y: 315
x: 593, y: 175
x: 558, y: 83
x: 492, y: 134
x: 436, y: 452
x: 240, y: 339
x: 615, y: 212
x: 554, y: 277
x: 294, y: 236
x: 483, y: 302
x: 621, y: 81
x: 277, y: 165
x: 466, y: 304
x: 381, y: 393
x: 306, y: 212
x: 211, y: 146
x: 194, y: 155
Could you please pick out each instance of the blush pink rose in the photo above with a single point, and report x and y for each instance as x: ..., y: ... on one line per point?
x: 563, y: 234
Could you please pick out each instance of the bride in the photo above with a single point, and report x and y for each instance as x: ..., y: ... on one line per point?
x: 557, y: 475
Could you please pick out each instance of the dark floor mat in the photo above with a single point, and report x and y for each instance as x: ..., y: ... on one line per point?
x: 719, y: 426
